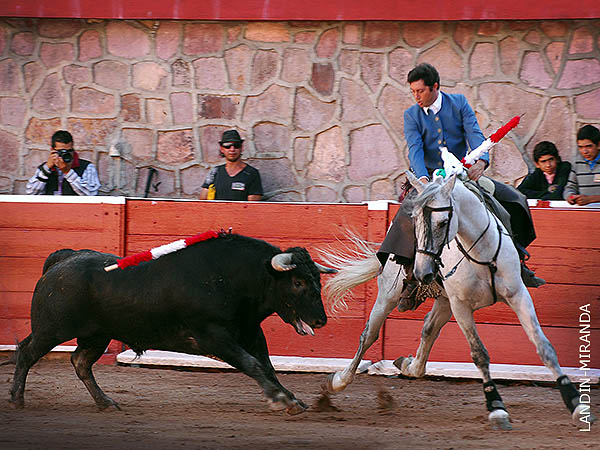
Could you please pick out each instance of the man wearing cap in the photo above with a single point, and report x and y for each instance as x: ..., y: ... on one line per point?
x: 234, y: 180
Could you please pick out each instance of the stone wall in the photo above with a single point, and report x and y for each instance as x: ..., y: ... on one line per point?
x: 319, y: 103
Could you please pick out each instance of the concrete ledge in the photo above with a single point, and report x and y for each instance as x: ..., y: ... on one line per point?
x: 58, y: 348
x: 329, y: 365
x: 280, y: 363
x: 498, y: 371
x: 62, y: 199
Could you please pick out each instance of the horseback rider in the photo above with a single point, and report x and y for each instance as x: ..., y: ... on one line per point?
x: 439, y: 120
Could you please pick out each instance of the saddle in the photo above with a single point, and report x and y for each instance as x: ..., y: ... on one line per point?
x: 415, y: 293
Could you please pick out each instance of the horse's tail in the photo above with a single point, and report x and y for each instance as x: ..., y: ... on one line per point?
x: 356, y: 265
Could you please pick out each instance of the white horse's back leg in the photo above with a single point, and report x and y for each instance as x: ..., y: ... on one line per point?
x: 435, y: 319
x: 522, y: 305
x: 389, y: 283
x: 498, y: 416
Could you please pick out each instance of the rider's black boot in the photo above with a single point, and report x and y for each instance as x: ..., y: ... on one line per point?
x: 528, y: 275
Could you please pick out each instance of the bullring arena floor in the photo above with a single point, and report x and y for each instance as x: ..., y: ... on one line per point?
x: 176, y: 409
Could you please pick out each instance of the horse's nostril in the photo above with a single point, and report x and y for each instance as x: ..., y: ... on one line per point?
x: 428, y: 278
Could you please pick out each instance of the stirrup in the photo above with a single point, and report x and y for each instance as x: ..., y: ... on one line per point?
x: 529, y: 277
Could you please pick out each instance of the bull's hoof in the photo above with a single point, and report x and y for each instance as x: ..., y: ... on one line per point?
x: 109, y: 403
x: 279, y: 403
x: 18, y: 403
x: 500, y: 420
x: 333, y: 383
x: 297, y: 407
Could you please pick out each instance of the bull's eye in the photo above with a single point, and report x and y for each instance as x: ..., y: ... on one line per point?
x: 298, y: 284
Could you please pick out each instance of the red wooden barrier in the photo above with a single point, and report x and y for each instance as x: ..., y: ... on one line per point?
x: 33, y: 227
x: 566, y: 254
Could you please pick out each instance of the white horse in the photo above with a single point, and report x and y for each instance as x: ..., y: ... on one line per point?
x: 459, y: 239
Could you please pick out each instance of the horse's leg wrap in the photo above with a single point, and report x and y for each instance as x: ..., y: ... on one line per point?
x: 492, y: 397
x: 569, y: 393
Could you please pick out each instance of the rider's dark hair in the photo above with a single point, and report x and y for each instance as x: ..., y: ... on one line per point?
x: 425, y: 72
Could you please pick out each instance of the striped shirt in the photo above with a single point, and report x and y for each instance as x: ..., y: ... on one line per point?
x: 86, y: 184
x: 584, y: 178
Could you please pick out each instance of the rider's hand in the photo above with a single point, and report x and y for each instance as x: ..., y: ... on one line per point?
x: 476, y: 170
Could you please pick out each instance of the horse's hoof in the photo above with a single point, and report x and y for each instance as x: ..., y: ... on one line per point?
x: 500, y: 420
x: 297, y: 407
x: 403, y: 363
x: 330, y: 384
x: 582, y: 417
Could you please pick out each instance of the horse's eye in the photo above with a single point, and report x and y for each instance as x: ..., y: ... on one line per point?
x: 444, y: 223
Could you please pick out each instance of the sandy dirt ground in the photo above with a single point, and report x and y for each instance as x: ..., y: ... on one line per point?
x: 175, y: 409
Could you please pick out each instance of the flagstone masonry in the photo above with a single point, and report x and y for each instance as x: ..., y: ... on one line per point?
x: 320, y: 104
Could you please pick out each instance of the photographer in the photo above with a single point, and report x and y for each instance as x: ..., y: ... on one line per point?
x: 64, y: 173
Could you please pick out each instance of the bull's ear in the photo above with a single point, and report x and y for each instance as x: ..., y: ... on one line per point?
x: 282, y: 262
x: 324, y: 269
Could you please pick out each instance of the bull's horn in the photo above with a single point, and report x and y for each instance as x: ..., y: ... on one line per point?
x: 324, y: 269
x: 414, y: 181
x: 282, y: 262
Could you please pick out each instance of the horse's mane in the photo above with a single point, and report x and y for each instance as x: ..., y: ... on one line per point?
x: 419, y: 201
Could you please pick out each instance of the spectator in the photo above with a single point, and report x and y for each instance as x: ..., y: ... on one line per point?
x: 65, y: 173
x: 583, y: 186
x: 234, y: 180
x: 548, y: 180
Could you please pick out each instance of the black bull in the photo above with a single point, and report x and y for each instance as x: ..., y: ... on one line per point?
x: 208, y: 299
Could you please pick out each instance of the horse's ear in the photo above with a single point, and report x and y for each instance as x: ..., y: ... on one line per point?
x: 449, y: 185
x: 414, y: 181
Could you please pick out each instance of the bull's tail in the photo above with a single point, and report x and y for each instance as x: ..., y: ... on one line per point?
x: 11, y: 360
x: 356, y: 265
x: 55, y: 257
x: 13, y: 357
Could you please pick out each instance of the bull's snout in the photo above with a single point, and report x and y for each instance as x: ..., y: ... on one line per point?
x: 319, y: 323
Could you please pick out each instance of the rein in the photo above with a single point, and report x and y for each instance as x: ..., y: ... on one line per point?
x: 493, y: 268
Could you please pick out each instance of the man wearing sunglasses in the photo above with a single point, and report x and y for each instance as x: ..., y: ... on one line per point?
x: 64, y: 173
x: 234, y: 180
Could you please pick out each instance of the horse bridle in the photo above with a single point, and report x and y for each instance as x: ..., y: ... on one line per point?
x: 491, y: 265
x: 436, y: 256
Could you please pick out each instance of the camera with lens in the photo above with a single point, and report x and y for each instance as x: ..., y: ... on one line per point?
x: 66, y: 155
